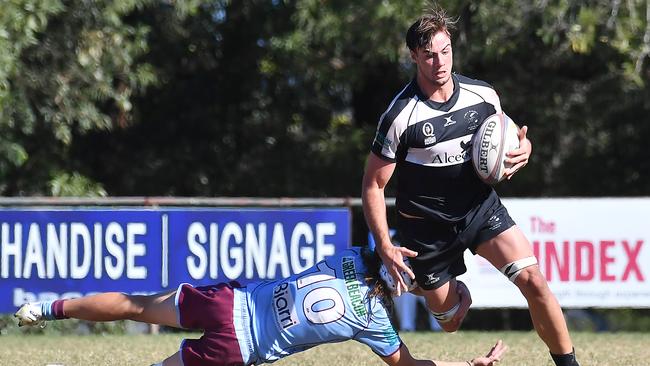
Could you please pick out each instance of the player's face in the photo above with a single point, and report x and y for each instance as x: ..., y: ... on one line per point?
x: 434, y: 61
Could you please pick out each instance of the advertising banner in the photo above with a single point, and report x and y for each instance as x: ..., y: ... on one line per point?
x: 47, y: 254
x: 593, y: 252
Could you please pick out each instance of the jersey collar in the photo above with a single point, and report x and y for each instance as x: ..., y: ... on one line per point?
x: 444, y: 106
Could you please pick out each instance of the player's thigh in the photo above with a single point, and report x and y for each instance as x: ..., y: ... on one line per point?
x: 442, y: 298
x: 158, y: 309
x: 508, y: 246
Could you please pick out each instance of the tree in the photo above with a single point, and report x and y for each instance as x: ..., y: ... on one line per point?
x: 273, y: 115
x: 282, y: 97
x: 20, y: 24
x: 72, y: 67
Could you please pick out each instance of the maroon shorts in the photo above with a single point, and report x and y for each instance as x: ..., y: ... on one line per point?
x: 209, y: 308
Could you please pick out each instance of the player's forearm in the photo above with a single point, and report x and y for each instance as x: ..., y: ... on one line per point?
x: 108, y: 306
x: 404, y: 358
x: 374, y: 210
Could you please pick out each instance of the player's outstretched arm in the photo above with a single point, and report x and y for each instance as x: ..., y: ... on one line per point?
x: 108, y: 306
x: 378, y: 173
x: 404, y: 358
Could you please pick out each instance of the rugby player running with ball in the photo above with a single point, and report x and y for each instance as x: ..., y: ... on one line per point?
x: 443, y: 206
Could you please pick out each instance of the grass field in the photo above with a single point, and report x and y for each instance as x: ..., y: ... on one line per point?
x: 525, y: 349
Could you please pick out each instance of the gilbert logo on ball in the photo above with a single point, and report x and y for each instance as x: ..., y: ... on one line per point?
x: 496, y: 136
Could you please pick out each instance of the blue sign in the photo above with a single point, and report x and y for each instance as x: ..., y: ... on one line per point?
x: 48, y: 254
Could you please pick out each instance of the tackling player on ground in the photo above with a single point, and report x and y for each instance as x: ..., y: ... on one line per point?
x: 338, y: 299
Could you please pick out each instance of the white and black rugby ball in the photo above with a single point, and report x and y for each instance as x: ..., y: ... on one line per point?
x: 496, y: 136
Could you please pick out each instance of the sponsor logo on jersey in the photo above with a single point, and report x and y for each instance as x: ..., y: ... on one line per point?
x: 383, y: 140
x: 283, y: 306
x: 428, y: 132
x: 451, y: 158
x: 449, y: 121
x: 466, y: 146
x: 352, y: 285
x: 471, y: 117
x: 443, y: 153
x: 486, y: 145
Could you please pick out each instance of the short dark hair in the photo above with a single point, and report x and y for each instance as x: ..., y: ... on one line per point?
x: 433, y: 20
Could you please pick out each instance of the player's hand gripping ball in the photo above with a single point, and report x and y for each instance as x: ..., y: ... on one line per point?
x: 390, y: 281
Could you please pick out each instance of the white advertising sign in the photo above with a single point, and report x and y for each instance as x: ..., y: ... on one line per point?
x: 593, y: 252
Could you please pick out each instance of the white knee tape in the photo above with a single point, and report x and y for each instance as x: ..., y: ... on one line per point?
x: 446, y: 316
x: 512, y: 270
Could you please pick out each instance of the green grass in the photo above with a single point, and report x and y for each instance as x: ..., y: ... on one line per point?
x: 525, y: 349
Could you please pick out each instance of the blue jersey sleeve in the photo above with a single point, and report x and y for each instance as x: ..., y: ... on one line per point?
x: 380, y: 335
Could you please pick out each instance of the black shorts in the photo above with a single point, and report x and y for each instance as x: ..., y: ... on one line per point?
x: 440, y: 246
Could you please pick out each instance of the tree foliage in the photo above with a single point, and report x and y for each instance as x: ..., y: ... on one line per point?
x: 281, y: 97
x: 73, y: 67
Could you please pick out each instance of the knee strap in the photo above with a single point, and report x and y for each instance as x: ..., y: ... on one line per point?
x: 446, y: 316
x: 512, y: 270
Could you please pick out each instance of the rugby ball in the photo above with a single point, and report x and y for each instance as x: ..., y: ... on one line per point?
x: 411, y: 284
x: 496, y: 136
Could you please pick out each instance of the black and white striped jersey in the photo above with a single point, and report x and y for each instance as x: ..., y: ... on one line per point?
x: 430, y: 142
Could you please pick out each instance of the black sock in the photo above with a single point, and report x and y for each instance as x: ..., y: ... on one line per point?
x: 568, y: 359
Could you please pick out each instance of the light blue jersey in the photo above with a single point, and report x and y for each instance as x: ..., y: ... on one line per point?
x: 326, y: 303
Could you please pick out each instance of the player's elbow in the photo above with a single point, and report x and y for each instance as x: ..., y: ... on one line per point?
x: 372, y: 184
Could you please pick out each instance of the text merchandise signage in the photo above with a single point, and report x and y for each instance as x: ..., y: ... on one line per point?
x: 47, y: 254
